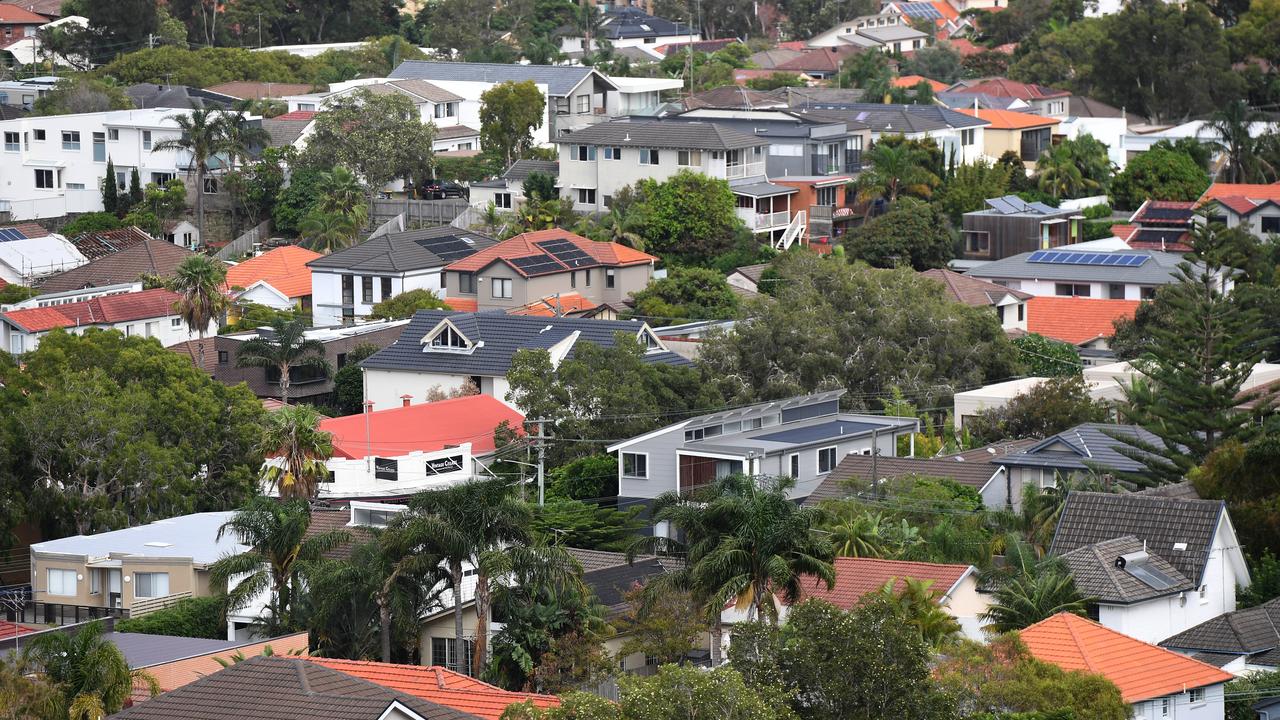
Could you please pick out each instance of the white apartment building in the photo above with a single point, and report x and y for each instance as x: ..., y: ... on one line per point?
x: 54, y: 165
x: 455, y: 114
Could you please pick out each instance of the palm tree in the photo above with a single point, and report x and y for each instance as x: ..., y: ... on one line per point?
x: 239, y: 136
x: 587, y: 19
x: 858, y: 535
x: 339, y: 191
x: 1059, y: 175
x: 24, y: 694
x: 90, y: 671
x: 202, y: 136
x: 200, y: 280
x: 623, y: 227
x: 327, y: 231
x: 1027, y: 599
x: 278, y: 548
x: 286, y: 348
x: 916, y: 604
x: 895, y: 168
x: 293, y: 435
x: 1231, y: 130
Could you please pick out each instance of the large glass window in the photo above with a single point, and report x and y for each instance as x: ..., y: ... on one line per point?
x: 12, y: 142
x: 99, y: 147
x: 150, y: 585
x: 826, y: 460
x: 500, y: 287
x: 61, y: 582
x: 70, y: 140
x: 635, y: 465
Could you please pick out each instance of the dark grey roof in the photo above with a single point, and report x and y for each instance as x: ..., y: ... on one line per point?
x: 425, y: 90
x: 284, y: 132
x: 1090, y: 446
x: 763, y: 189
x: 974, y: 474
x: 694, y: 135
x: 450, y: 132
x: 1180, y: 531
x: 1254, y: 631
x: 1183, y: 490
x: 150, y: 95
x: 632, y: 22
x: 405, y: 251
x: 1093, y: 567
x: 559, y: 79
x: 613, y: 583
x: 502, y: 336
x: 141, y: 650
x: 1159, y: 270
x: 964, y: 100
x: 522, y: 169
x: 12, y: 112
x: 281, y: 688
x: 889, y: 118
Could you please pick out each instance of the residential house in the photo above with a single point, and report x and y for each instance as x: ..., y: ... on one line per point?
x: 288, y: 688
x: 182, y: 233
x: 54, y: 165
x: 956, y: 134
x: 189, y: 667
x: 1145, y: 537
x: 733, y: 97
x: 1089, y: 449
x: 973, y: 468
x: 1155, y: 682
x: 392, y: 453
x: 449, y: 350
x: 1067, y: 272
x: 507, y: 192
x: 455, y: 117
x: 1046, y: 101
x: 28, y: 253
x: 254, y: 90
x: 304, y: 383
x: 888, y: 32
x: 24, y: 93
x: 17, y: 23
x: 747, y: 278
x: 1241, y: 642
x: 685, y: 339
x: 152, y: 95
x: 345, y: 285
x: 149, y: 313
x: 131, y: 568
x: 278, y: 278
x: 743, y: 76
x: 291, y: 129
x: 543, y: 264
x: 1010, y: 225
x: 149, y: 258
x: 801, y: 437
x: 1163, y: 225
x: 1106, y: 124
x: 1010, y: 305
x: 1083, y: 322
x: 1255, y: 208
x: 626, y: 26
x: 1023, y: 133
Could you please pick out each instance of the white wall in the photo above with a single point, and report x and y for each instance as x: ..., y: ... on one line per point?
x: 606, y: 177
x: 574, y: 44
x: 162, y: 329
x: 355, y: 477
x: 1048, y: 288
x: 1180, y: 708
x: 326, y: 292
x: 471, y: 90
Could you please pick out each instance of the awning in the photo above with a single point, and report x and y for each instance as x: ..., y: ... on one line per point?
x: 764, y: 189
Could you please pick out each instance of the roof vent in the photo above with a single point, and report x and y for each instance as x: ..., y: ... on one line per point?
x: 157, y: 544
x: 545, y: 329
x: 1180, y: 546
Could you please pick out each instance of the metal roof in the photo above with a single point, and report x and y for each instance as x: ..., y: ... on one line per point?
x: 559, y: 79
x: 763, y: 189
x: 186, y: 536
x: 691, y: 135
x: 1160, y: 269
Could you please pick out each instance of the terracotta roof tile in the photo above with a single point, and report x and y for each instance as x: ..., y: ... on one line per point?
x: 31, y: 230
x: 1077, y: 320
x: 297, y: 115
x: 552, y: 305
x: 104, y: 310
x: 910, y: 81
x: 426, y: 427
x: 462, y: 304
x: 857, y: 577
x: 1009, y: 119
x: 526, y: 245
x: 1241, y: 198
x: 1124, y: 232
x: 1140, y: 670
x: 283, y: 268
x: 151, y: 257
x: 251, y: 90
x: 11, y: 14
x: 439, y: 685
x: 1004, y: 87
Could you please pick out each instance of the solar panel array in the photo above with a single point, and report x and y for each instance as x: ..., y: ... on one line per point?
x: 449, y: 247
x: 1149, y: 575
x: 1160, y: 213
x: 537, y: 264
x: 1058, y: 257
x: 1155, y: 235
x: 568, y: 253
x: 7, y: 234
x: 1011, y: 204
x: 921, y: 10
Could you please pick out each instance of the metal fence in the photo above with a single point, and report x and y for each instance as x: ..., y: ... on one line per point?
x: 243, y: 245
x: 418, y: 213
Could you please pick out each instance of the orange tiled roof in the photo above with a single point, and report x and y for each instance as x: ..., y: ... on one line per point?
x: 547, y: 306
x: 1140, y: 670
x: 11, y: 14
x: 1124, y: 232
x: 857, y: 577
x: 1076, y: 320
x: 174, y: 675
x: 439, y: 685
x: 525, y: 245
x: 1009, y: 119
x: 462, y: 304
x: 283, y: 268
x: 108, y: 309
x: 1242, y: 198
x: 297, y: 115
x: 910, y: 81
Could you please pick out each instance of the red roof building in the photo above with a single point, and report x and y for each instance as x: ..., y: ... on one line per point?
x: 106, y: 310
x: 1009, y: 119
x: 858, y: 577
x: 284, y: 269
x: 439, y: 685
x: 17, y: 23
x: 1004, y: 87
x: 910, y: 81
x: 1077, y: 320
x: 425, y: 427
x: 1241, y: 198
x: 1143, y: 672
x: 525, y: 245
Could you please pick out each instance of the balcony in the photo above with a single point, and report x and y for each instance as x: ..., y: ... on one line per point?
x: 746, y: 170
x: 764, y: 220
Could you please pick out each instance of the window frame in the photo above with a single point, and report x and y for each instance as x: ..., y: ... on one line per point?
x: 137, y: 584
x: 585, y: 196
x: 650, y: 156
x: 793, y: 465
x: 610, y: 278
x: 835, y: 459
x: 147, y: 143
x: 495, y: 283
x: 612, y: 152
x: 622, y: 465
x: 62, y: 573
x: 53, y: 180
x: 16, y: 144
x: 366, y: 289
x: 467, y: 283
x: 71, y: 140
x: 385, y: 287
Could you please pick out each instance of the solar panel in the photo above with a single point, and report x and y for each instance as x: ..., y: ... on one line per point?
x: 7, y: 234
x: 1167, y: 214
x: 568, y: 253
x: 1149, y: 575
x: 537, y: 264
x: 1075, y: 257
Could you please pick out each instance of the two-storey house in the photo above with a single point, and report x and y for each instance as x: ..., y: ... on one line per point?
x: 54, y: 165
x: 1010, y: 225
x: 956, y: 134
x: 544, y: 265
x: 17, y: 23
x: 1010, y: 306
x: 1255, y: 208
x: 347, y: 284
x: 1046, y: 101
x: 456, y: 118
x: 507, y: 192
x: 1009, y: 131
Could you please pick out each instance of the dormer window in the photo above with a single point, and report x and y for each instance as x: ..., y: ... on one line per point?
x: 449, y: 338
x: 650, y: 341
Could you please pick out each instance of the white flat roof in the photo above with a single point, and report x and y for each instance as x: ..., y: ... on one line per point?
x: 186, y: 536
x: 635, y: 85
x: 1007, y: 389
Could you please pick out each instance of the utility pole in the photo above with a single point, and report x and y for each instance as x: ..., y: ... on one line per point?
x: 875, y: 457
x: 542, y: 454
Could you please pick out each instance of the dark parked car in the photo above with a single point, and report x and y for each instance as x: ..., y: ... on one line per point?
x: 440, y: 189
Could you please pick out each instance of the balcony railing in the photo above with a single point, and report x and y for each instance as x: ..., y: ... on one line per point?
x: 771, y: 220
x: 733, y: 172
x: 144, y: 606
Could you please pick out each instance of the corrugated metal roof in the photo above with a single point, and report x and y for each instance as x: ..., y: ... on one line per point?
x: 692, y: 135
x: 559, y: 79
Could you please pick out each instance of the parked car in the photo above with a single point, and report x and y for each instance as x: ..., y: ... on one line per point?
x: 441, y: 189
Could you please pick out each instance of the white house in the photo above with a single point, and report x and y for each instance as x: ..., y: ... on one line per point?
x: 627, y: 26
x: 54, y: 165
x: 1087, y: 270
x: 29, y: 252
x: 456, y: 118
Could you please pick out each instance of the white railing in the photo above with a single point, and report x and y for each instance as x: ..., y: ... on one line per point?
x: 772, y: 220
x: 144, y: 606
x: 794, y: 231
x: 733, y: 172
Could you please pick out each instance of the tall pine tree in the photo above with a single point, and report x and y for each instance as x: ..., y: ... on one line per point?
x: 135, y: 189
x: 1201, y: 353
x: 110, y: 194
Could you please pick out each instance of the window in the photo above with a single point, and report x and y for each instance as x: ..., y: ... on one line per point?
x: 584, y: 103
x: 146, y: 139
x: 967, y: 136
x: 386, y: 469
x: 610, y: 278
x: 366, y: 289
x: 1166, y: 706
x: 210, y: 186
x: 443, y: 110
x: 1115, y: 291
x: 1204, y: 594
x: 1270, y: 223
x: 444, y: 652
x: 502, y: 201
x: 466, y: 283
x: 583, y: 153
x: 635, y: 465
x: 26, y: 141
x: 1147, y: 293
x: 648, y: 156
x: 449, y: 338
x: 977, y: 242
x: 223, y: 357
x: 1035, y: 142
x: 1072, y: 290
x: 175, y: 322
x: 606, y: 200
x: 39, y: 134
x: 150, y: 585
x: 613, y: 153
x: 161, y: 178
x: 826, y: 196
x: 587, y: 277
x: 500, y: 287
x: 794, y: 465
x: 307, y: 107
x: 386, y: 288
x: 99, y: 147
x: 573, y: 278
x: 1022, y: 312
x: 44, y: 179
x: 113, y: 134
x: 70, y: 139
x: 826, y: 460
x: 1195, y: 696
x: 95, y: 581
x: 61, y: 582
x: 122, y: 178
x: 75, y: 186
x: 586, y: 196
x: 11, y: 141
x: 689, y: 158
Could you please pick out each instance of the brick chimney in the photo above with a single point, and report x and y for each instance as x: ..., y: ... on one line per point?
x: 405, y: 399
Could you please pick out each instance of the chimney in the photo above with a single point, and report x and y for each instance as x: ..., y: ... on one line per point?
x: 405, y: 399
x: 368, y: 406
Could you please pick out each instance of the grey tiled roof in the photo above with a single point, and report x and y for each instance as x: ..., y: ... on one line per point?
x: 694, y: 135
x: 522, y: 169
x: 889, y: 118
x: 611, y: 584
x: 1093, y: 567
x: 401, y: 252
x: 973, y: 474
x: 1254, y: 631
x: 1183, y: 490
x: 958, y: 100
x: 426, y: 90
x: 1165, y: 524
x: 281, y: 688
x: 631, y: 22
x: 284, y: 132
x: 559, y: 79
x: 450, y: 132
x: 502, y: 336
x: 151, y: 257
x: 1159, y: 270
x: 1087, y: 447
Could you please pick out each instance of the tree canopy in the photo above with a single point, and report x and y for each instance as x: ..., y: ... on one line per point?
x: 912, y: 233
x: 378, y: 136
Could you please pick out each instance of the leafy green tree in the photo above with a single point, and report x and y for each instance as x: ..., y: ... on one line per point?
x: 342, y: 196
x: 1074, y: 168
x: 1158, y: 174
x: 254, y: 315
x: 203, y: 137
x: 689, y: 216
x: 690, y: 693
x: 806, y: 18
x: 206, y: 66
x: 969, y: 187
x: 667, y: 626
x: 81, y: 94
x: 509, y: 113
x: 1264, y: 585
x: 15, y: 293
x: 328, y: 231
x: 194, y: 617
x: 1243, y: 693
x: 686, y: 294
x: 1052, y: 406
x: 586, y: 478
x: 278, y: 549
x: 776, y: 80
x: 1044, y: 357
x: 90, y: 672
x: 1031, y: 590
x: 27, y: 696
x: 262, y: 181
x: 136, y: 195
x: 406, y: 304
x: 1244, y: 475
x: 287, y: 348
x: 92, y: 222
x: 541, y: 186
x: 378, y: 137
x: 578, y: 524
x: 552, y: 632
x: 348, y: 382
x: 803, y: 341
x: 896, y: 168
x: 293, y: 435
x: 912, y: 233
x: 295, y: 200
x: 939, y: 62
x: 916, y: 604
